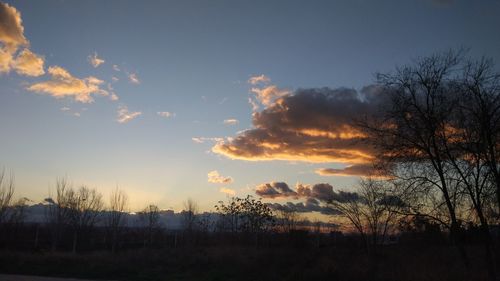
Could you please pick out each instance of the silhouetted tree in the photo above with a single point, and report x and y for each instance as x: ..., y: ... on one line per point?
x: 150, y: 220
x: 116, y: 217
x: 189, y: 215
x: 6, y: 195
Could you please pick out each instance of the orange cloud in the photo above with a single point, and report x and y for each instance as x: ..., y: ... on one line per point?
x: 259, y: 79
x: 361, y: 170
x: 269, y: 94
x: 215, y: 177
x: 29, y: 64
x: 11, y: 28
x: 227, y: 191
x: 11, y: 38
x: 311, y: 125
x: 63, y: 84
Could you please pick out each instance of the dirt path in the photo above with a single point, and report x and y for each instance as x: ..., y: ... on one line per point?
x: 4, y: 277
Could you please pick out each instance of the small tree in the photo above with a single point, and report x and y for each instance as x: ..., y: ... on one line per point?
x: 6, y: 194
x: 189, y: 215
x: 150, y: 220
x: 116, y: 217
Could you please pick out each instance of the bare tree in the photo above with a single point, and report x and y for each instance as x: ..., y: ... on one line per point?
x: 409, y: 131
x: 6, y: 195
x: 58, y: 212
x: 150, y: 219
x: 189, y: 215
x: 78, y: 210
x: 287, y: 219
x: 85, y: 207
x: 372, y: 209
x: 116, y: 217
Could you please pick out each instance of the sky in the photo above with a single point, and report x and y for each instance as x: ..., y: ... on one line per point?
x: 170, y: 100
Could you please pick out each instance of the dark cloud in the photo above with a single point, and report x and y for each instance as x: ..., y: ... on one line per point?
x: 311, y: 125
x: 352, y: 170
x: 304, y: 208
x: 274, y: 190
x: 316, y: 197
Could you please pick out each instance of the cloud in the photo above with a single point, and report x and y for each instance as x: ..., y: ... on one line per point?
x: 114, y: 97
x: 362, y: 170
x: 124, y: 116
x: 227, y: 191
x: 204, y: 139
x: 215, y: 177
x: 11, y: 28
x: 165, y: 114
x: 63, y: 84
x: 274, y: 190
x: 11, y: 39
x: 259, y: 79
x: 132, y: 77
x: 65, y: 108
x: 29, y: 64
x: 231, y: 122
x: 321, y: 192
x: 310, y: 125
x: 6, y: 59
x: 300, y: 207
x: 116, y: 68
x: 269, y: 94
x: 94, y: 60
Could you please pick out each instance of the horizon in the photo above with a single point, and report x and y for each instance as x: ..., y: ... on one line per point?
x: 176, y: 100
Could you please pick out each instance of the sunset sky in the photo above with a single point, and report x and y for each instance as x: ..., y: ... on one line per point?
x: 172, y: 100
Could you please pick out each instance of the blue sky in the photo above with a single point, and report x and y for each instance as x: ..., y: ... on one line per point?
x: 194, y: 60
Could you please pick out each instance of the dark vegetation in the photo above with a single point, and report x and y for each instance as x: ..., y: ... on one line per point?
x: 430, y: 211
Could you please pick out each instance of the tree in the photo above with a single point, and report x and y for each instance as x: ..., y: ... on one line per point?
x: 150, y: 219
x: 408, y: 133
x: 439, y: 133
x: 116, y: 217
x: 189, y: 215
x: 6, y: 195
x: 372, y: 209
x: 77, y: 210
x: 244, y: 215
x: 286, y: 219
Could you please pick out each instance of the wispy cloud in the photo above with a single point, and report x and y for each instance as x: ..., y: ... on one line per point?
x: 116, y: 68
x: 132, y: 77
x: 227, y: 191
x: 165, y: 114
x: 63, y: 84
x: 94, y: 60
x: 205, y: 139
x: 361, y: 170
x: 215, y: 177
x: 267, y: 95
x: 259, y: 79
x: 125, y: 116
x: 231, y: 121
